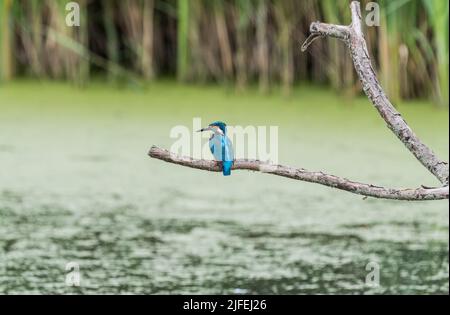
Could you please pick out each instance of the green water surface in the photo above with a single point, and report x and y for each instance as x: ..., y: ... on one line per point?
x: 76, y: 185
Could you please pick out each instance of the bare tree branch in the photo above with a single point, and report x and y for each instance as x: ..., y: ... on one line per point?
x: 368, y: 190
x: 353, y: 37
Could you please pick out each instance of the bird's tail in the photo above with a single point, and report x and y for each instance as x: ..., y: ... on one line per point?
x: 226, y: 169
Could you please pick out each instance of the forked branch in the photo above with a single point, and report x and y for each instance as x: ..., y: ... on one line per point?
x: 353, y: 37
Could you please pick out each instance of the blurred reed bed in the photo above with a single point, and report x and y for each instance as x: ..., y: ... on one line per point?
x: 6, y: 41
x: 233, y: 42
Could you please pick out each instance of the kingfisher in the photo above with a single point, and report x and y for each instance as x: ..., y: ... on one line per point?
x: 220, y: 145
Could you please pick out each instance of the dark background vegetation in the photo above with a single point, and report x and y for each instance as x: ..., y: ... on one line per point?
x: 232, y: 42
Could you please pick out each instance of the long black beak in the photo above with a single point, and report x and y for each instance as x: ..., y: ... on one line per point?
x: 201, y: 130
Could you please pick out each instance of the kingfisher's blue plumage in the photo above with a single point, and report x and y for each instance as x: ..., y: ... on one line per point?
x: 221, y: 146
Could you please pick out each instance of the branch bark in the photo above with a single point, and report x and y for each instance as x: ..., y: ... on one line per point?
x: 422, y: 193
x: 353, y: 37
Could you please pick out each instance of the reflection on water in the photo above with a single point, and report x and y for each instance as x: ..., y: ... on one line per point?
x: 81, y: 189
